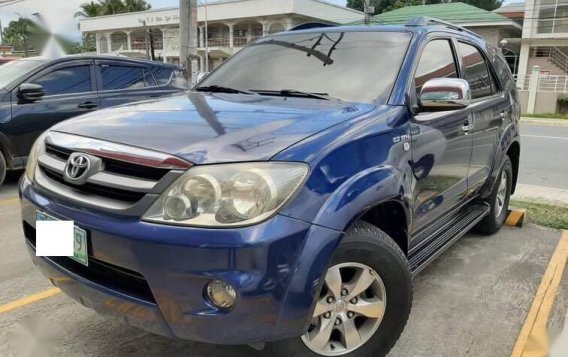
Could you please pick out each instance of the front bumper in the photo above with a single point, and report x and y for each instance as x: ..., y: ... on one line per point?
x: 154, y: 276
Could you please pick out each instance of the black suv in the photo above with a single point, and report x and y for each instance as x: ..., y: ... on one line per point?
x: 37, y: 93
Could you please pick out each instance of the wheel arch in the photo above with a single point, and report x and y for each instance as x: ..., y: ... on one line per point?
x: 514, y: 153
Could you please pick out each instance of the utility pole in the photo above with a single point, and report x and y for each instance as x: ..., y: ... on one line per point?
x: 369, y: 11
x: 188, y: 38
x: 206, y: 40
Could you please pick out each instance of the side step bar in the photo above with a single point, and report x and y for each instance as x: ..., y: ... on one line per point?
x: 445, y: 234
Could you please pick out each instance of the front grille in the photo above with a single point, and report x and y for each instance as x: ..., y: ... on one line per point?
x: 108, y: 275
x: 121, y: 179
x: 97, y: 190
x: 114, y: 166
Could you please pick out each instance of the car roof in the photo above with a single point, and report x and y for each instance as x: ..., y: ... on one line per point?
x: 416, y: 29
x: 102, y: 57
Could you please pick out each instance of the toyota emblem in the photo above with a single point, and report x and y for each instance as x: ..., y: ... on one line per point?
x: 77, y: 168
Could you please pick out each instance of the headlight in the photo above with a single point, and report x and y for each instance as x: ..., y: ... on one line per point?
x: 37, y: 149
x: 228, y: 195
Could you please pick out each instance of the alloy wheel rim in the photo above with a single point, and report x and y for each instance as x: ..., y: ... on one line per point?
x: 501, y: 194
x: 349, y: 311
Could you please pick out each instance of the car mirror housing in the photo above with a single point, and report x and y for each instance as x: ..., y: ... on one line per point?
x: 30, y: 92
x: 441, y: 94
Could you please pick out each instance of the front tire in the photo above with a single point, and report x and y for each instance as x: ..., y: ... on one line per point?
x: 2, y: 169
x: 499, y: 201
x: 364, y: 303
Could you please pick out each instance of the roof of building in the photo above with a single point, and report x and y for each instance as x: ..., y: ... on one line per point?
x: 455, y: 12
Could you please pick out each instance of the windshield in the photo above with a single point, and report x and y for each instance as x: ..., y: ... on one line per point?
x: 11, y: 71
x: 351, y: 66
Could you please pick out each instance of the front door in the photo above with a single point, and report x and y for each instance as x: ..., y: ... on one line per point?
x: 441, y: 149
x: 69, y: 91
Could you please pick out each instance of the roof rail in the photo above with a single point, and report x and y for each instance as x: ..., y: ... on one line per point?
x: 310, y: 25
x: 427, y: 20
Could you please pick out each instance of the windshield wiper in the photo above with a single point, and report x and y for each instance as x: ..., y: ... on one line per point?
x: 292, y: 93
x: 221, y: 89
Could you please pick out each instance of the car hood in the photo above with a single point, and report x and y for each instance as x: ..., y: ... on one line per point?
x: 214, y: 128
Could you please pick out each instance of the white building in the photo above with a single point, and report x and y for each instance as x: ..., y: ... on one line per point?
x: 231, y: 25
x: 545, y: 37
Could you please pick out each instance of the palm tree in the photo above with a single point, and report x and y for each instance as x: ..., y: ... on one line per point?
x: 89, y: 9
x: 110, y: 7
x: 136, y: 5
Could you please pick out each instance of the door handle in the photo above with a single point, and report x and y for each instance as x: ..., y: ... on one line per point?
x: 467, y: 127
x: 87, y: 105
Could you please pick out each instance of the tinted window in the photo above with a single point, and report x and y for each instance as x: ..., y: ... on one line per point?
x: 66, y: 80
x: 476, y: 71
x: 352, y: 66
x: 162, y: 75
x: 123, y: 77
x: 437, y: 61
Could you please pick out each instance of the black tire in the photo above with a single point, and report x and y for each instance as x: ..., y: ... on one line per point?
x: 2, y: 169
x: 366, y: 244
x: 493, y: 222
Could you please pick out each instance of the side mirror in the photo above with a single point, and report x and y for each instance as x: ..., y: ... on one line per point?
x: 440, y: 94
x: 30, y: 92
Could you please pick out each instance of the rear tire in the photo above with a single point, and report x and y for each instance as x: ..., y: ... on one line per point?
x: 2, y: 169
x: 499, y: 201
x: 368, y: 252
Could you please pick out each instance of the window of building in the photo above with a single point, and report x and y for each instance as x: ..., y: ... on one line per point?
x: 67, y: 80
x: 125, y: 77
x: 476, y: 71
x: 437, y: 61
x: 552, y: 16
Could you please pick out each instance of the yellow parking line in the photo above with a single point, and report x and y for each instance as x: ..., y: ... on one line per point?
x: 9, y: 201
x: 29, y: 300
x: 533, y: 339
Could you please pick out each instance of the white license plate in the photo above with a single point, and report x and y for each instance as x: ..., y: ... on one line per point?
x: 80, y: 253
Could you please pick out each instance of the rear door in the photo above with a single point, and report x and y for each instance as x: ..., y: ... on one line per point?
x: 490, y: 106
x: 122, y: 82
x: 441, y: 149
x: 69, y: 91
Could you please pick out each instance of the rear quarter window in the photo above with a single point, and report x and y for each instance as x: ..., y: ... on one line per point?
x: 162, y: 75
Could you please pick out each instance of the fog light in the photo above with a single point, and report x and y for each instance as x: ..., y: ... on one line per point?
x: 221, y: 294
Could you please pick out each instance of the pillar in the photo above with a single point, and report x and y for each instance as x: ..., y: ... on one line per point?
x: 533, y: 89
x: 231, y: 38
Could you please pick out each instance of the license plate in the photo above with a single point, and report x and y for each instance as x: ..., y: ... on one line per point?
x: 79, y: 239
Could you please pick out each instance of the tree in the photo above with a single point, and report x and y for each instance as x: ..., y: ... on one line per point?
x: 19, y: 34
x: 136, y: 5
x: 111, y: 7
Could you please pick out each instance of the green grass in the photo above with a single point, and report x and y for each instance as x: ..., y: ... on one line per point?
x: 543, y: 214
x: 546, y: 116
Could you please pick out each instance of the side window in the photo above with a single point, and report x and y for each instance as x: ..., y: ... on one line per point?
x: 476, y: 71
x: 162, y: 75
x: 124, y: 77
x: 67, y: 80
x: 437, y: 61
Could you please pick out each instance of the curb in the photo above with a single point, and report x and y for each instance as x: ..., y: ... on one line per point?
x: 545, y: 122
x: 516, y: 218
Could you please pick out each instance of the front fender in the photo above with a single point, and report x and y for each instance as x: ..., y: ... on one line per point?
x: 360, y: 193
x: 354, y: 197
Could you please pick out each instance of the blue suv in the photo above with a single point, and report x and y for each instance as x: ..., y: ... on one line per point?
x: 286, y: 201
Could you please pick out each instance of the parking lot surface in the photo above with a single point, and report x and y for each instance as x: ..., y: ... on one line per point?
x: 472, y: 301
